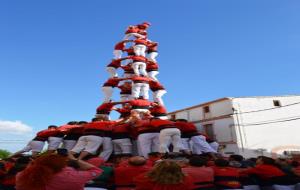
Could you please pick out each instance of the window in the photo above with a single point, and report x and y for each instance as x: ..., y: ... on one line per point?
x: 209, y: 131
x: 276, y: 103
x: 206, y: 109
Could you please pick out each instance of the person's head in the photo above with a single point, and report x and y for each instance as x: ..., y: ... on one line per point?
x: 127, y: 106
x: 82, y: 123
x: 40, y: 171
x: 197, y: 161
x: 221, y: 162
x: 166, y: 172
x: 52, y: 127
x: 137, y: 161
x: 100, y: 118
x: 236, y: 157
x: 72, y: 123
x: 265, y: 160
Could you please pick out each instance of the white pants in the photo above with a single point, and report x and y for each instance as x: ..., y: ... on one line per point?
x: 54, y: 142
x: 148, y: 142
x: 185, y: 143
x: 107, y: 148
x: 88, y: 143
x: 140, y: 50
x: 199, y: 145
x: 125, y: 97
x: 157, y: 96
x: 127, y: 75
x: 108, y: 92
x: 117, y: 54
x: 140, y: 89
x: 152, y: 75
x: 214, y: 145
x: 69, y: 144
x: 112, y: 71
x: 34, y: 146
x: 139, y: 68
x: 170, y: 136
x: 127, y: 36
x: 152, y: 56
x: 122, y: 146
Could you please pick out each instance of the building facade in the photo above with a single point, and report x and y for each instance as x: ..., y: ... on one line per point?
x: 249, y: 126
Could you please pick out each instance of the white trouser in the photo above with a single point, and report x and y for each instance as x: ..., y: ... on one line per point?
x: 122, y: 146
x: 152, y: 56
x: 127, y: 36
x: 157, y: 96
x: 162, y: 117
x: 69, y: 144
x: 125, y: 97
x: 108, y: 92
x: 135, y: 149
x: 148, y: 142
x: 112, y: 71
x: 107, y: 148
x: 152, y: 75
x: 88, y: 143
x: 34, y: 146
x: 139, y: 68
x: 214, y: 145
x: 127, y: 75
x: 169, y: 136
x: 54, y: 142
x: 140, y: 89
x: 140, y: 50
x: 185, y: 143
x: 199, y: 145
x: 117, y: 54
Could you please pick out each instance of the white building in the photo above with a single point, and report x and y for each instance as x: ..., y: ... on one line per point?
x: 249, y: 126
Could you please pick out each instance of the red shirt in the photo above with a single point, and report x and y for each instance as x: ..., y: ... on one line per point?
x: 158, y: 123
x: 202, y: 176
x: 140, y: 79
x: 122, y: 128
x: 144, y: 183
x: 112, y: 82
x: 140, y: 104
x: 130, y: 51
x: 141, y: 41
x: 124, y: 175
x: 105, y: 108
x: 66, y: 129
x: 116, y: 63
x: 99, y: 125
x: 264, y: 171
x: 123, y: 112
x: 151, y: 66
x: 187, y: 129
x: 121, y: 45
x: 152, y: 46
x: 155, y: 86
x: 125, y: 89
x: 227, y: 177
x: 128, y: 68
x: 132, y: 29
x: 136, y: 58
x: 49, y: 133
x: 158, y: 110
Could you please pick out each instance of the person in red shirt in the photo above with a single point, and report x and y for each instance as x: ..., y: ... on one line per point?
x: 121, y: 138
x: 55, y: 138
x: 125, y: 92
x: 119, y: 48
x: 108, y: 86
x: 105, y: 108
x: 158, y: 91
x: 125, y: 174
x: 226, y: 177
x: 140, y: 105
x: 152, y: 51
x: 152, y: 69
x: 166, y: 175
x: 140, y: 46
x: 138, y: 64
x: 203, y: 177
x: 158, y: 111
x: 112, y: 67
x: 140, y: 87
x: 137, y: 31
x: 69, y: 139
x: 124, y: 111
x: 128, y: 71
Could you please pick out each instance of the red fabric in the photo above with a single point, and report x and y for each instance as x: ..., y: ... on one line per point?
x: 113, y: 82
x: 154, y: 86
x: 124, y: 175
x: 152, y: 46
x: 125, y: 89
x: 48, y: 133
x: 116, y: 63
x: 132, y: 29
x: 122, y: 128
x: 120, y: 45
x: 186, y: 127
x: 159, y: 109
x: 264, y: 171
x: 140, y: 78
x: 123, y: 112
x: 141, y: 41
x: 160, y: 122
x: 66, y: 129
x: 144, y: 183
x: 199, y: 175
x: 136, y: 58
x: 144, y: 125
x: 226, y: 172
x: 130, y: 51
x: 152, y: 66
x: 100, y: 125
x: 127, y: 68
x: 76, y: 130
x: 139, y: 102
x: 97, y: 162
x: 105, y: 108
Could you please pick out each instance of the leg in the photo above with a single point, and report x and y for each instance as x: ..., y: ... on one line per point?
x: 157, y: 96
x: 53, y: 144
x: 112, y: 71
x: 69, y: 144
x: 108, y: 92
x: 126, y: 146
x: 144, y: 144
x: 107, y: 148
x: 117, y: 54
x: 164, y: 141
x: 135, y: 67
x: 200, y: 144
x: 137, y: 50
x: 92, y: 145
x: 152, y: 75
x: 145, y: 91
x: 152, y: 56
x: 176, y: 140
x: 116, y: 146
x: 143, y: 69
x: 136, y: 89
x: 155, y: 142
x: 143, y: 50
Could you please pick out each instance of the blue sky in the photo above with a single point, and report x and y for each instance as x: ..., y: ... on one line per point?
x: 53, y: 53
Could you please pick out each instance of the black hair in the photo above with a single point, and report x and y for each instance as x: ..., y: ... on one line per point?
x: 52, y: 126
x: 72, y: 123
x: 221, y: 162
x: 82, y: 122
x: 236, y: 157
x: 197, y: 161
x: 267, y: 160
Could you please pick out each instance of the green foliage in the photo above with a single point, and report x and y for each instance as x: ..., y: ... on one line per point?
x: 4, y: 154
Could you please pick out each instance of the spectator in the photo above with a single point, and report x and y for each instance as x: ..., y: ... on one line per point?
x: 50, y: 172
x: 166, y: 175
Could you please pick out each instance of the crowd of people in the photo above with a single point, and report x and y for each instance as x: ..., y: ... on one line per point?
x: 143, y: 149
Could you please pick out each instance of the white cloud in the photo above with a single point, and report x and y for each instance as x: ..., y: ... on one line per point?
x: 14, y: 127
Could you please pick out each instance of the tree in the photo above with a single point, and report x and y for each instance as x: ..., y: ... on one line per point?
x: 4, y: 154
